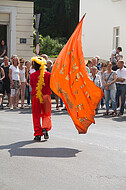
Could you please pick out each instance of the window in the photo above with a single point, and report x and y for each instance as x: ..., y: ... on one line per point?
x: 116, y: 38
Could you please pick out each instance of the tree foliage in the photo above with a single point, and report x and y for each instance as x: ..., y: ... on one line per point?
x: 49, y: 46
x: 58, y: 17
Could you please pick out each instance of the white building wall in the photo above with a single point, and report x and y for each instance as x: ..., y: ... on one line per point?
x: 20, y: 19
x: 101, y: 17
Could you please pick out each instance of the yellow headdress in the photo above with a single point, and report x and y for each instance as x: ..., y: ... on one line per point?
x: 41, y: 61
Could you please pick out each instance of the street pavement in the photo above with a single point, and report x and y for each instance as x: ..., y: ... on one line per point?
x: 67, y: 161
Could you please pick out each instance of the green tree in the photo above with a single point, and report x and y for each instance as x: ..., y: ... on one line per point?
x: 47, y: 45
x: 58, y: 17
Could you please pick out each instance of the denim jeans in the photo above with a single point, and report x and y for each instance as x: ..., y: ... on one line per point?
x: 121, y: 88
x: 28, y: 95
x: 110, y: 94
x: 102, y: 100
x: 61, y: 102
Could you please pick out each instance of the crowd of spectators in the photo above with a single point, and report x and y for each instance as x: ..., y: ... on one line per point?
x: 14, y: 81
x: 109, y: 76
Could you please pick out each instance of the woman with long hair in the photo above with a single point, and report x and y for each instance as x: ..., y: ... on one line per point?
x: 23, y: 75
x: 109, y: 79
x: 14, y: 75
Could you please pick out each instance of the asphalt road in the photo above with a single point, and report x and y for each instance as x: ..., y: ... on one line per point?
x: 67, y: 161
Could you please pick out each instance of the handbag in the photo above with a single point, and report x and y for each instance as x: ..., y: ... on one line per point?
x: 108, y: 77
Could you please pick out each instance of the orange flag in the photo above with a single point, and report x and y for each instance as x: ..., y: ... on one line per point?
x: 70, y: 81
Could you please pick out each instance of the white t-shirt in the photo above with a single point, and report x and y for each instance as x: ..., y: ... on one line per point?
x: 32, y: 70
x: 15, y: 72
x: 121, y: 74
x: 113, y: 52
x: 96, y: 80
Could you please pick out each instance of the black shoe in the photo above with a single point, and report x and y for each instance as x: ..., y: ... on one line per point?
x: 120, y: 113
x: 37, y: 138
x: 2, y: 106
x: 45, y: 133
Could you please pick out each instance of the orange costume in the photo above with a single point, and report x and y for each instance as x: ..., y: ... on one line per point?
x: 41, y: 102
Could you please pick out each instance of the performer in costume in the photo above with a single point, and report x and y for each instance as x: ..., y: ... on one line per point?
x: 41, y: 102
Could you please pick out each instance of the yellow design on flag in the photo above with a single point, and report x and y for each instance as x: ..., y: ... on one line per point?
x: 70, y: 81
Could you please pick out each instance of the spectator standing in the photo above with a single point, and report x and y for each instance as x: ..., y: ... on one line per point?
x: 23, y: 74
x: 45, y: 56
x: 100, y: 73
x: 89, y: 65
x: 114, y: 55
x: 32, y: 70
x: 6, y: 80
x: 95, y: 77
x: 49, y: 66
x: 28, y: 92
x: 109, y: 79
x: 98, y: 62
x: 12, y: 59
x: 2, y: 76
x: 88, y: 70
x: 14, y: 75
x: 121, y: 85
x: 97, y: 80
x: 3, y: 49
x: 2, y: 64
x: 94, y: 62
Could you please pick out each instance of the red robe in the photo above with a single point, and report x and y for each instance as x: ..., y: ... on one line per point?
x: 41, y: 110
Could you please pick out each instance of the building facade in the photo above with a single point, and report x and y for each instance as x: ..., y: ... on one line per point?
x: 16, y: 27
x: 104, y: 27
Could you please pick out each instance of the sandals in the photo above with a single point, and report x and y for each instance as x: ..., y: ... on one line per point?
x: 57, y: 107
x: 114, y: 114
x: 111, y: 113
x: 106, y: 113
x: 120, y: 113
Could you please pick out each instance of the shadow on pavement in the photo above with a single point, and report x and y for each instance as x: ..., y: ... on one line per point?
x: 29, y: 111
x: 26, y: 111
x: 20, y: 111
x: 119, y: 119
x: 53, y: 112
x: 16, y: 150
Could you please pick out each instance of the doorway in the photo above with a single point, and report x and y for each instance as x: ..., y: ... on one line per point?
x: 3, y: 34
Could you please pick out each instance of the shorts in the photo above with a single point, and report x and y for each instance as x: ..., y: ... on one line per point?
x: 6, y: 87
x: 1, y: 87
x: 15, y: 89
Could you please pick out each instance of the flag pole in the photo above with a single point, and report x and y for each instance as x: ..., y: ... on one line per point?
x: 83, y: 16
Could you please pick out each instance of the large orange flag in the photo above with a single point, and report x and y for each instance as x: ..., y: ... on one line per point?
x: 70, y: 81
